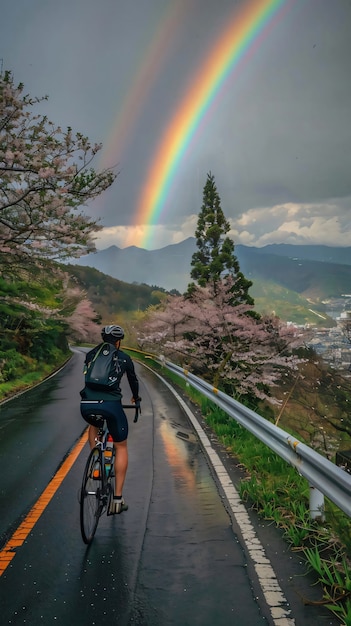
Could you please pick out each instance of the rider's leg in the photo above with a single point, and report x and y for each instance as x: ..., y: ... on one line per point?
x: 93, y: 432
x: 121, y: 465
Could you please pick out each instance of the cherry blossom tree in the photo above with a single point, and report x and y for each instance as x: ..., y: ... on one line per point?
x: 83, y: 323
x: 45, y: 177
x: 243, y: 354
x: 164, y: 325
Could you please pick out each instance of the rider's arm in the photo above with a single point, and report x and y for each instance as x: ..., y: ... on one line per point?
x: 132, y: 379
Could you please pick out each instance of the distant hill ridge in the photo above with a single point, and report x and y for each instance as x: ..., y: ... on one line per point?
x: 325, y: 254
x: 318, y: 272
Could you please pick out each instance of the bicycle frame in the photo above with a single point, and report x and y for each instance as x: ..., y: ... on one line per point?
x: 96, y: 489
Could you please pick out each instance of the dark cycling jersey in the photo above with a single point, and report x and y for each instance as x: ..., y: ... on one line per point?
x: 124, y: 365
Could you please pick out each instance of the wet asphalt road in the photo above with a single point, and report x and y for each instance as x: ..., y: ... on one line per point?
x: 172, y: 559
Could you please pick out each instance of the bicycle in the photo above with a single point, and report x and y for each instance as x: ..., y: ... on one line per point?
x: 97, y: 490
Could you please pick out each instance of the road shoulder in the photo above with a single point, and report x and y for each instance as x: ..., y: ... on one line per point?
x: 295, y: 597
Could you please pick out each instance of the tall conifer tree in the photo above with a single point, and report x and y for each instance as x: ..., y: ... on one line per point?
x: 215, y: 257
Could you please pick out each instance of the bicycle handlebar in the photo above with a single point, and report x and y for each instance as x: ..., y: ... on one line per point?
x: 135, y: 406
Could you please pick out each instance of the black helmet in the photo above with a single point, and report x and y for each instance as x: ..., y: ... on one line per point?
x: 112, y: 333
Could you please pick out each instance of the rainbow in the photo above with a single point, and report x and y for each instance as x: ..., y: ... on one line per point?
x: 247, y: 27
x: 143, y: 79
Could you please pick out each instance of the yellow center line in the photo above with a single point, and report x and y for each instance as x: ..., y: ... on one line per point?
x: 22, y: 532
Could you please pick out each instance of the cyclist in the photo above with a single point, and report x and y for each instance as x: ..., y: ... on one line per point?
x: 110, y: 407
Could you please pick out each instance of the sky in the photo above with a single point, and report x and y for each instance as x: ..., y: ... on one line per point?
x: 257, y: 92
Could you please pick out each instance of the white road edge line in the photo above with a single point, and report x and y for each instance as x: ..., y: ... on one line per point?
x: 267, y: 578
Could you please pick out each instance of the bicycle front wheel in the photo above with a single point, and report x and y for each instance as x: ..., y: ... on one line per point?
x: 90, y: 497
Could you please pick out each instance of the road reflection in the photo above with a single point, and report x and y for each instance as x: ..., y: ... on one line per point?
x: 180, y: 447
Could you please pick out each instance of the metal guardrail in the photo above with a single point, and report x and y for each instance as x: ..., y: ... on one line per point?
x: 324, y: 477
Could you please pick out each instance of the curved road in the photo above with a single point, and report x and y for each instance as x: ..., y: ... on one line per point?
x: 176, y: 557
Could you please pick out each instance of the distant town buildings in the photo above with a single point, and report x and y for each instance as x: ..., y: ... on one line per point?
x: 334, y: 344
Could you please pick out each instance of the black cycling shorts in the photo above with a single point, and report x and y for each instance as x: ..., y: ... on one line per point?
x: 113, y: 412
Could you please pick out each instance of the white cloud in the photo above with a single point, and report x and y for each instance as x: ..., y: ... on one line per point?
x: 112, y: 236
x: 327, y: 224
x: 146, y: 236
x: 318, y: 223
x: 187, y: 229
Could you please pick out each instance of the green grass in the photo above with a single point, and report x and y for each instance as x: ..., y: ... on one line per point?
x: 28, y: 379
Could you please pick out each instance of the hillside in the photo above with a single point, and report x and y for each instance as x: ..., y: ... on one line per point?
x: 110, y: 296
x: 315, y: 280
x: 297, y: 282
x: 326, y: 254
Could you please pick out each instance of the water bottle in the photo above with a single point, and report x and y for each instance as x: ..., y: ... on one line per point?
x: 108, y: 453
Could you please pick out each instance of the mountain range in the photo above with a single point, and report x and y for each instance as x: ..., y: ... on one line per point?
x: 304, y: 269
x: 313, y: 277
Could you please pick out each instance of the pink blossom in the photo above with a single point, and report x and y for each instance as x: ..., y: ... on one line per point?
x: 46, y: 172
x: 9, y: 156
x: 222, y: 342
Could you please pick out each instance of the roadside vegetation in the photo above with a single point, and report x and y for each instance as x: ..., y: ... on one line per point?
x: 43, y: 312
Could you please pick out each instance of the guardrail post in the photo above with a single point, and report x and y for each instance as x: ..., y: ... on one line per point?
x: 316, y: 504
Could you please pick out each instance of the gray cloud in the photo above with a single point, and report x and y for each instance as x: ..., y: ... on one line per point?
x: 277, y: 137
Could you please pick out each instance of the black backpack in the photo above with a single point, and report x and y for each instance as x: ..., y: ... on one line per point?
x: 102, y: 371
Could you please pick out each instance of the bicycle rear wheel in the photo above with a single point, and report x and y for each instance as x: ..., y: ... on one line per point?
x: 90, y: 498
